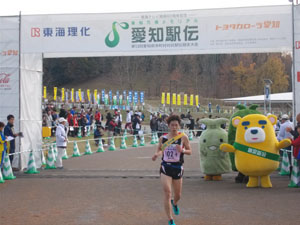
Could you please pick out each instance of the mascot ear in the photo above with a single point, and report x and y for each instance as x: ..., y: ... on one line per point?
x: 236, y: 121
x: 273, y: 119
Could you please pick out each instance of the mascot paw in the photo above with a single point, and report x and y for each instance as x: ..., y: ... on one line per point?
x: 208, y: 178
x: 227, y: 148
x: 284, y: 143
x: 217, y: 178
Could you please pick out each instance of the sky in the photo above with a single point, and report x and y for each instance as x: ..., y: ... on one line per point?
x: 13, y: 7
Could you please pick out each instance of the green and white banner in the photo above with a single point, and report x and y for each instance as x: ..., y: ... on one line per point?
x: 233, y: 30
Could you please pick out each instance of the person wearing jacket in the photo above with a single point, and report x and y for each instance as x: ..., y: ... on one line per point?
x: 61, y: 141
x: 9, y: 131
x: 136, y: 125
x: 296, y: 145
x: 111, y: 129
x: 3, y: 144
x: 153, y: 124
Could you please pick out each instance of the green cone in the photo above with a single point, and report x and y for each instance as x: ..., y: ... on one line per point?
x: 100, y: 146
x: 134, y: 144
x: 295, y: 176
x: 191, y: 135
x: 50, y: 160
x: 7, y: 170
x: 88, y: 150
x: 142, y: 143
x: 31, y: 167
x: 79, y: 133
x: 65, y: 156
x: 123, y: 143
x: 285, y: 164
x: 1, y: 178
x: 153, y: 139
x: 76, y: 152
x: 112, y: 146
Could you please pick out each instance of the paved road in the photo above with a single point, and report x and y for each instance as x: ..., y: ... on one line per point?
x: 123, y: 188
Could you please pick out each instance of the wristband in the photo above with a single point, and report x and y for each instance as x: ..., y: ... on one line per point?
x: 183, y: 151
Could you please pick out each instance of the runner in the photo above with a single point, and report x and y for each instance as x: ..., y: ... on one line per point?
x: 173, y: 146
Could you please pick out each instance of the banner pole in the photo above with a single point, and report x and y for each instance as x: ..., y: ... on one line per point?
x: 293, y: 65
x: 20, y: 79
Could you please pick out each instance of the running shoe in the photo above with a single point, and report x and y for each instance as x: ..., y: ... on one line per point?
x: 171, y: 222
x: 175, y: 208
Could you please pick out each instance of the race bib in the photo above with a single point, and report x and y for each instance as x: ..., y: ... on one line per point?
x: 171, y: 154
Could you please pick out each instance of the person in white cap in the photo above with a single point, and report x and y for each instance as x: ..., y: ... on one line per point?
x: 61, y: 141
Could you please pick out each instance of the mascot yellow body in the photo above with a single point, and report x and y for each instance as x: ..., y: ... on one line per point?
x: 256, y: 148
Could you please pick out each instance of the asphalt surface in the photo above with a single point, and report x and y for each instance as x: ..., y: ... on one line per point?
x: 123, y: 188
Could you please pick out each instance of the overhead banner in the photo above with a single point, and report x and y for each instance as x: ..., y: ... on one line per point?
x: 297, y: 59
x: 207, y: 31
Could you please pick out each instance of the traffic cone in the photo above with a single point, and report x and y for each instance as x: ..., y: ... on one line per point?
x: 50, y: 160
x: 191, y: 136
x: 285, y: 164
x: 79, y: 132
x: 123, y: 143
x: 295, y: 178
x: 134, y: 144
x: 88, y: 133
x: 112, y: 146
x: 88, y: 150
x: 156, y: 138
x: 125, y: 134
x: 142, y: 143
x: 76, y: 152
x: 153, y: 139
x: 65, y: 156
x: 7, y: 170
x: 43, y: 158
x: 31, y: 167
x: 55, y: 152
x: 1, y: 177
x: 100, y: 146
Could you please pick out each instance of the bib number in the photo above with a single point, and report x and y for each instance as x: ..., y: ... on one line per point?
x: 171, y: 154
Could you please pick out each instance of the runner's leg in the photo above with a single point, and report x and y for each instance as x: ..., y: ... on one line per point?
x: 177, y: 187
x: 167, y: 187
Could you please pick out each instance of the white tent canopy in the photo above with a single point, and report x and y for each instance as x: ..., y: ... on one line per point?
x: 286, y: 97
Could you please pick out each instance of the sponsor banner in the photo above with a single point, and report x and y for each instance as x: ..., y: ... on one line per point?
x: 168, y: 99
x: 163, y: 98
x: 130, y: 96
x: 232, y: 30
x: 136, y: 97
x: 174, y: 99
x: 142, y: 97
x: 9, y: 70
x: 178, y: 99
x: 297, y: 59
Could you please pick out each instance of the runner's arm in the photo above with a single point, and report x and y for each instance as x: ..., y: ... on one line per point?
x: 158, y: 151
x: 186, y: 146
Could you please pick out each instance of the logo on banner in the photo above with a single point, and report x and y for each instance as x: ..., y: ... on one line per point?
x: 4, y: 81
x: 116, y: 37
x: 4, y: 78
x: 297, y: 45
x: 35, y: 32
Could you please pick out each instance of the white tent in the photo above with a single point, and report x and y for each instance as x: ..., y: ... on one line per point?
x: 286, y: 97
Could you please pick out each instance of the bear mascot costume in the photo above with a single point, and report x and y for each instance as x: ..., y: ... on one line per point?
x: 256, y: 148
